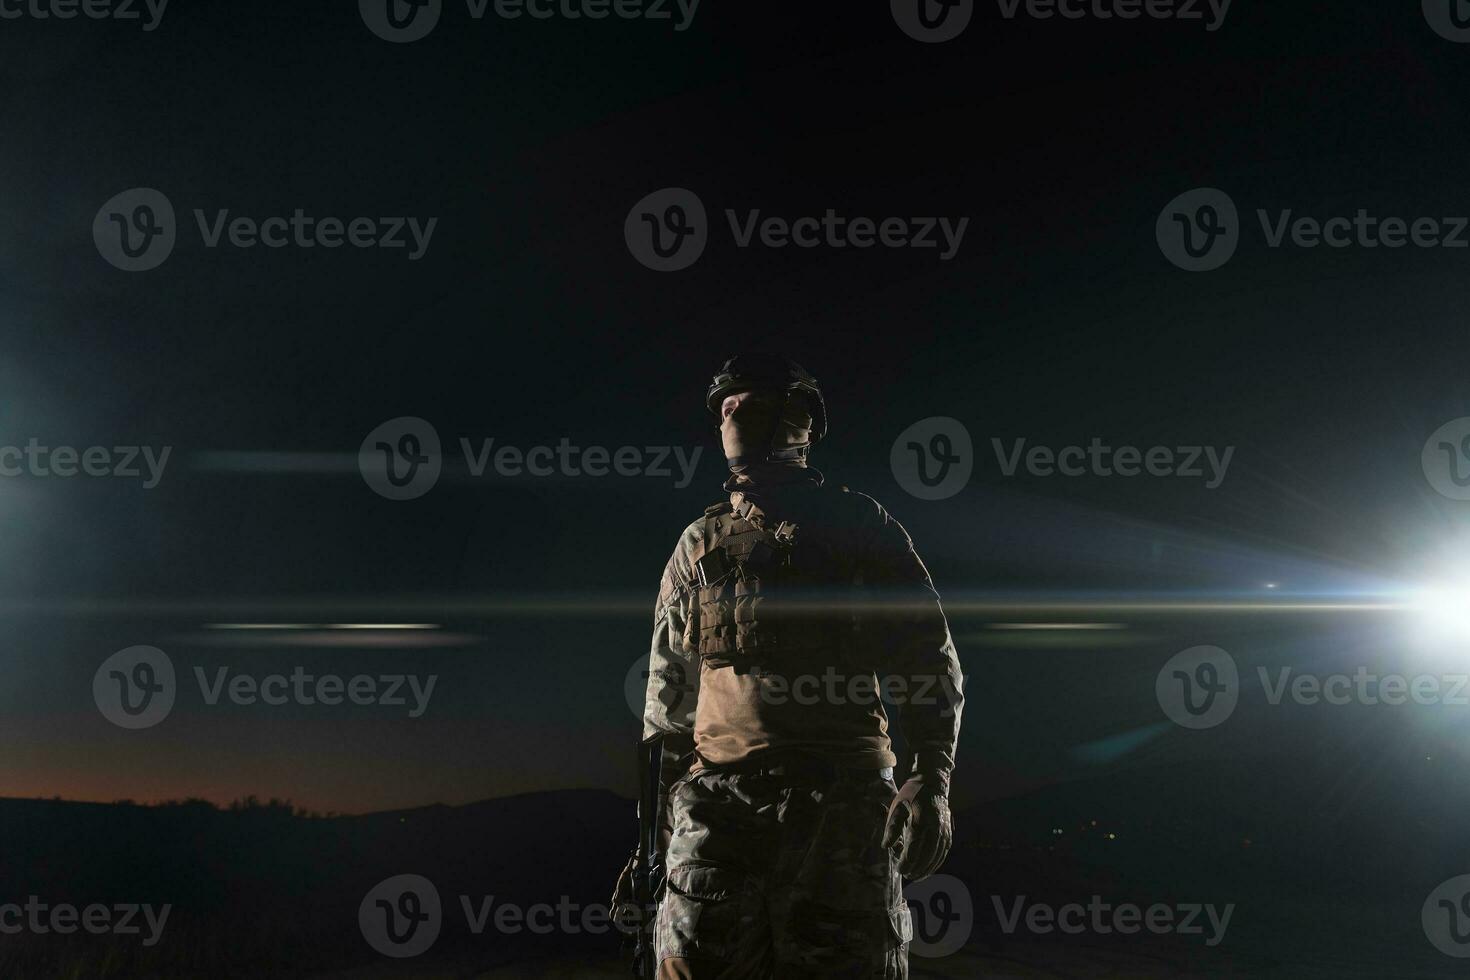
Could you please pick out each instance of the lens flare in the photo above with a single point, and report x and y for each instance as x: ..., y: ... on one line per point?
x: 1445, y: 610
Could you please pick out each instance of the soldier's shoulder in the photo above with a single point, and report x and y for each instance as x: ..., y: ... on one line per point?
x: 679, y: 572
x: 693, y: 534
x: 860, y: 507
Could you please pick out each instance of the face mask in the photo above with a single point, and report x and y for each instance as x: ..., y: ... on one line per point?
x: 753, y: 431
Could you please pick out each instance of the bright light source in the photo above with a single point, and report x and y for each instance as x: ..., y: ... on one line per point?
x: 1445, y: 610
x: 1444, y: 613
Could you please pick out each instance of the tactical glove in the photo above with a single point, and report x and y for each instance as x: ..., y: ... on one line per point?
x: 919, y: 823
x: 626, y: 912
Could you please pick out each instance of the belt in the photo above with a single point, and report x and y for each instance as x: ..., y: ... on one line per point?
x: 795, y: 767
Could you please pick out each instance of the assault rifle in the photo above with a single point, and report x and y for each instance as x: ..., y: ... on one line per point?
x: 635, y: 901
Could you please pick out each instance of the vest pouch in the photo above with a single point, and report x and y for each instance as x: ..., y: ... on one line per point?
x: 750, y: 608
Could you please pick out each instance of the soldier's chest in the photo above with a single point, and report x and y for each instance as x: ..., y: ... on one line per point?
x: 767, y: 587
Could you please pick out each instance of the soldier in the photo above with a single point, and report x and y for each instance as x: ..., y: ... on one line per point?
x: 784, y: 834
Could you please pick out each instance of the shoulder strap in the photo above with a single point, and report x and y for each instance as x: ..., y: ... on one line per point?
x: 746, y: 509
x: 718, y: 522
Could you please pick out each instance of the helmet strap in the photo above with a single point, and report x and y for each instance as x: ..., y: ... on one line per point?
x: 776, y: 422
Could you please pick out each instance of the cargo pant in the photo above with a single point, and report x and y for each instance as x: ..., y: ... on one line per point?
x: 774, y: 876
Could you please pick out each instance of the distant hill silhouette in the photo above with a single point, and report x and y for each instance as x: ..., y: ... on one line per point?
x: 264, y: 890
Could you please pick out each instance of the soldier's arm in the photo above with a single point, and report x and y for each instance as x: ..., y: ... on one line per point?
x: 673, y: 669
x: 914, y: 645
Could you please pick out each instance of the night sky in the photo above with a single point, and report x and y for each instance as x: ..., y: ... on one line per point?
x: 527, y: 320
